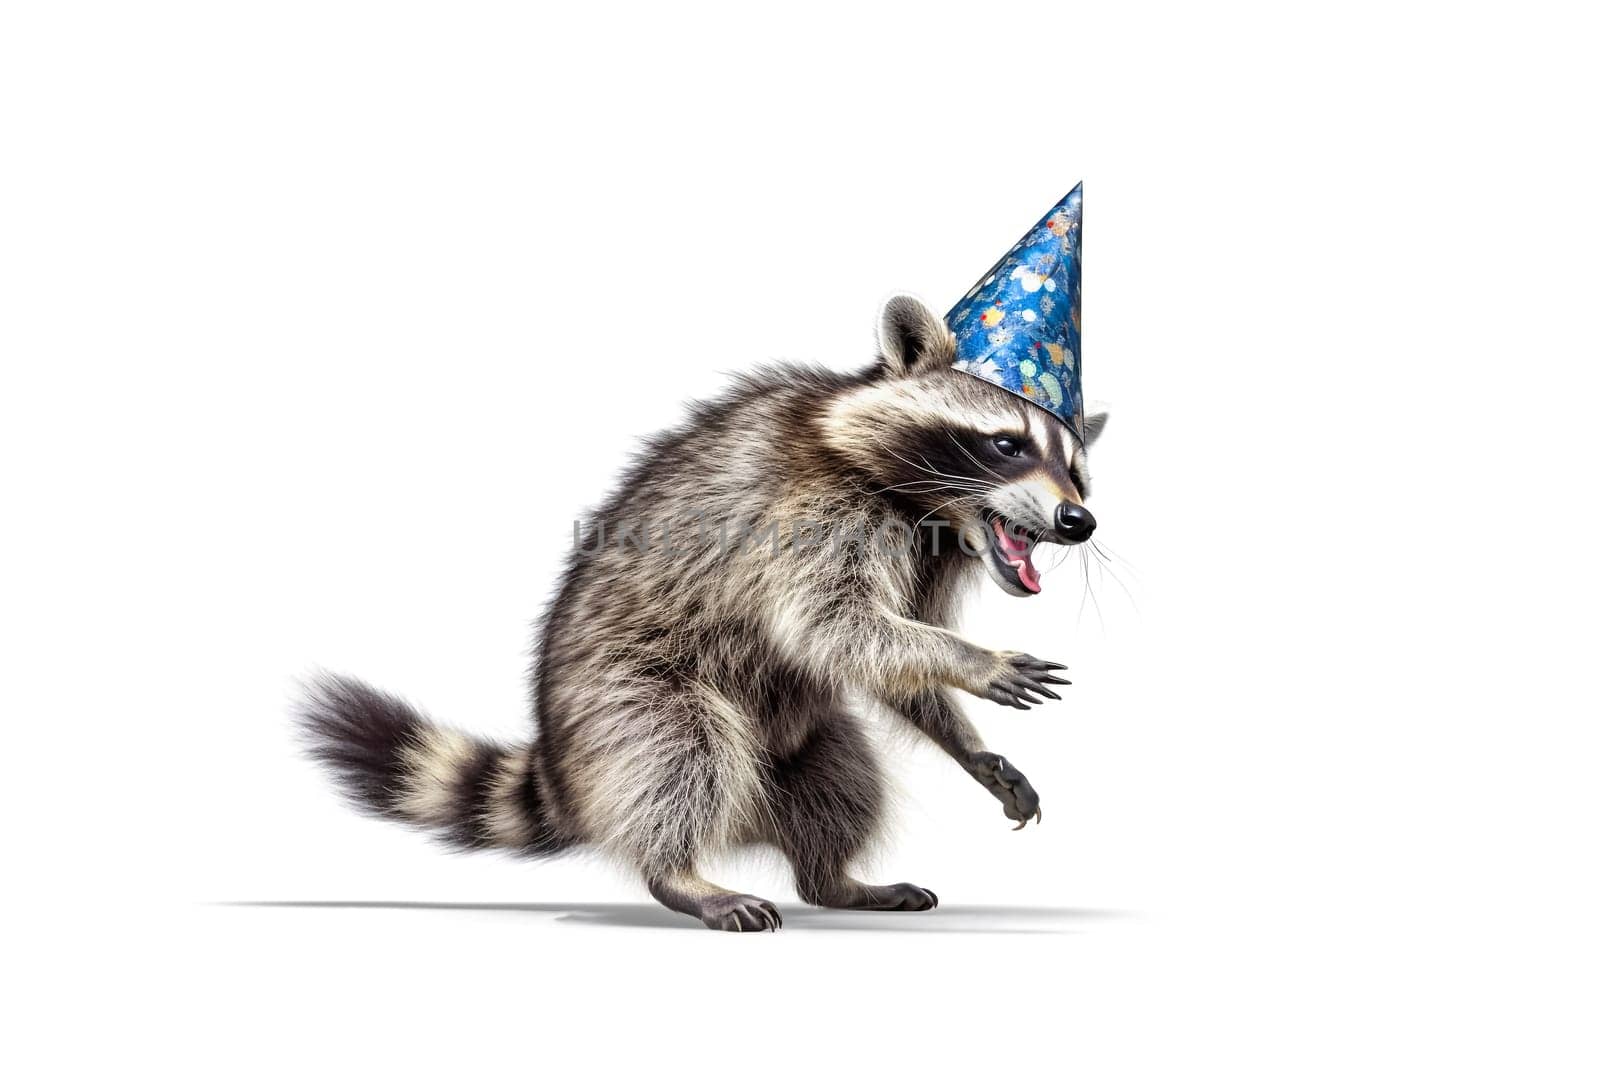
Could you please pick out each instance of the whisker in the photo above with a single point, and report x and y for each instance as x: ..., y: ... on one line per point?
x: 1111, y: 554
x: 937, y: 485
x: 930, y: 469
x: 1089, y: 588
x: 1083, y: 597
x: 1104, y: 570
x: 964, y: 477
x: 1110, y: 572
x: 947, y: 503
x: 970, y: 456
x: 919, y: 466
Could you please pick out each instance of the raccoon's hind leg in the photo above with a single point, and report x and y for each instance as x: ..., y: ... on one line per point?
x: 663, y: 772
x: 826, y: 801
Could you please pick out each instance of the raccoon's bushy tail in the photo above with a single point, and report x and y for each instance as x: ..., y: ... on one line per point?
x: 391, y: 761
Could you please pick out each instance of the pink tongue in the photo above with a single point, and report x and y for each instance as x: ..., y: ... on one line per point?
x: 1018, y: 554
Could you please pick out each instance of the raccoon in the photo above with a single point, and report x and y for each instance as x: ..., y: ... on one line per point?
x: 690, y: 693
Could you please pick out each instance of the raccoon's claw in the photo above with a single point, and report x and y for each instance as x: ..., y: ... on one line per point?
x: 1024, y: 681
x: 742, y: 913
x: 1009, y: 785
x: 1023, y: 825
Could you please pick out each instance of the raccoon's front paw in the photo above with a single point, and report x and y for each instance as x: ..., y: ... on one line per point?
x: 998, y: 776
x: 1019, y: 680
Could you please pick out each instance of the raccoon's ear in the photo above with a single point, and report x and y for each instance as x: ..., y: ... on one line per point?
x: 1094, y: 422
x: 912, y: 339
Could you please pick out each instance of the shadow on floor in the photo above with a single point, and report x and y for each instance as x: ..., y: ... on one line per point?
x: 950, y: 919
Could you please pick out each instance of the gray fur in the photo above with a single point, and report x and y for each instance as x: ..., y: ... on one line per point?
x: 690, y: 701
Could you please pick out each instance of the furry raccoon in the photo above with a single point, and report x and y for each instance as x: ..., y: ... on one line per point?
x: 688, y: 691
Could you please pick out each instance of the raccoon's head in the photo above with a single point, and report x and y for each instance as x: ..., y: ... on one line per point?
x: 1002, y: 472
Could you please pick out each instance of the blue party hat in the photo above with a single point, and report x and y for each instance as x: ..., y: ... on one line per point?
x: 1018, y: 327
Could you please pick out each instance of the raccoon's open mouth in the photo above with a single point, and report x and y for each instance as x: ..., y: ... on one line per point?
x: 1010, y: 555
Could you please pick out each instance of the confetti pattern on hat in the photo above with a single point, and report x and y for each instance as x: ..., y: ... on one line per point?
x: 1019, y: 326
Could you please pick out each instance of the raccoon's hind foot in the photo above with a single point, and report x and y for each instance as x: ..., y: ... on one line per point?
x: 740, y: 913
x: 1009, y: 785
x: 718, y: 908
x: 849, y: 893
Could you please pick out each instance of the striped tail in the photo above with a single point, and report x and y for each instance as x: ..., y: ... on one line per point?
x: 392, y: 762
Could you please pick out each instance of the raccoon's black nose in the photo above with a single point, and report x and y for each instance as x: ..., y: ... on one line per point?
x: 1074, y: 523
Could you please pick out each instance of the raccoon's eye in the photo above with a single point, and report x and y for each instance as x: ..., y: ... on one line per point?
x: 1007, y: 446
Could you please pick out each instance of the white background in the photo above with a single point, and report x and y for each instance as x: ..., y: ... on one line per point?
x: 322, y: 321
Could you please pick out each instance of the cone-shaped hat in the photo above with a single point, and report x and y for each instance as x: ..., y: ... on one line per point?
x: 1018, y: 327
